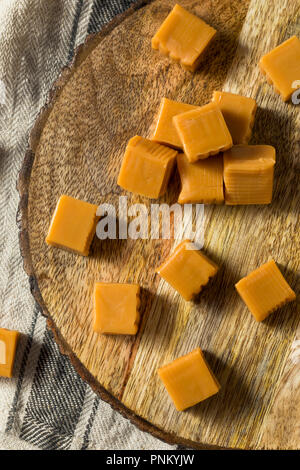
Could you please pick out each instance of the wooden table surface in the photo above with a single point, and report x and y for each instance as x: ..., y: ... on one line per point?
x: 110, y: 93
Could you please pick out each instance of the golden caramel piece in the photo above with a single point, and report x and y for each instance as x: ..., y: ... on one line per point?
x: 187, y: 270
x: 265, y: 290
x: 282, y: 67
x: 202, y: 181
x: 248, y: 174
x: 183, y: 37
x: 165, y: 132
x: 116, y: 308
x: 203, y: 132
x: 8, y: 345
x: 239, y: 112
x: 146, y: 167
x: 189, y: 380
x: 73, y: 225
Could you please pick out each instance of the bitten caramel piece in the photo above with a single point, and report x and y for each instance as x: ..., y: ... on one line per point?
x: 116, y: 308
x: 8, y: 345
x: 73, y: 225
x: 187, y: 270
x: 203, y: 132
x: 146, y: 167
x: 248, y: 174
x: 165, y: 132
x: 265, y: 290
x: 202, y: 181
x: 282, y: 67
x: 183, y: 37
x: 239, y: 112
x: 189, y: 380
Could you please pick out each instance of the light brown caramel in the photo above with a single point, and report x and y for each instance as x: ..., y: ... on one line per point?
x: 189, y: 380
x: 203, y: 132
x: 264, y: 290
x: 146, y: 167
x: 183, y: 37
x: 282, y: 67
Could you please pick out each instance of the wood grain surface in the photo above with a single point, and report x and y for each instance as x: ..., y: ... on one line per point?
x: 110, y: 93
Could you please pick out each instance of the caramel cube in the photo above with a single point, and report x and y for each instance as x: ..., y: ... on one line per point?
x: 183, y: 37
x: 203, y: 132
x: 187, y: 270
x: 189, y: 380
x: 265, y: 290
x: 146, y: 167
x: 248, y: 174
x: 282, y: 67
x: 116, y: 308
x: 165, y: 132
x: 239, y: 112
x: 201, y: 181
x: 8, y: 345
x: 73, y: 225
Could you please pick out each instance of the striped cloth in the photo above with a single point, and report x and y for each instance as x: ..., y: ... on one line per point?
x: 46, y: 405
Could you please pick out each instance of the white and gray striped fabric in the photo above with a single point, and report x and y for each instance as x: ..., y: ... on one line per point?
x: 46, y: 405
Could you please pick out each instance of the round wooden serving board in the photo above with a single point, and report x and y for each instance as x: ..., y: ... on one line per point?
x: 109, y: 93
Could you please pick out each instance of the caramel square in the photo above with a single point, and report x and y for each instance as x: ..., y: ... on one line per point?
x: 201, y: 181
x: 183, y: 37
x: 203, y: 132
x: 116, y: 308
x: 189, y: 380
x: 282, y: 67
x: 146, y: 167
x: 165, y: 132
x: 73, y: 225
x: 187, y: 270
x: 265, y: 290
x: 8, y: 345
x: 248, y: 174
x: 239, y: 112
